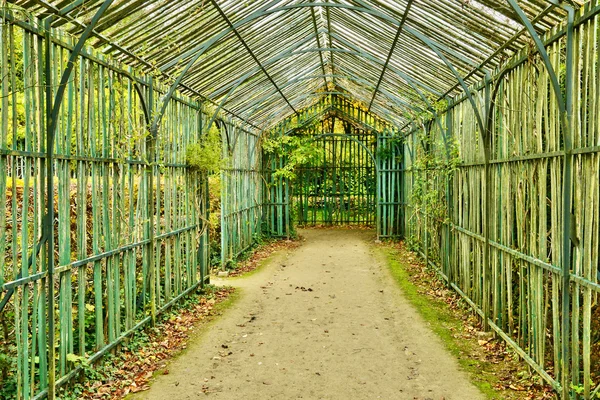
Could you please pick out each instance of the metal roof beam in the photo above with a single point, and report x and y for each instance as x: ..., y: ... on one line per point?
x: 314, y: 20
x: 432, y: 45
x: 347, y: 74
x: 330, y: 42
x: 65, y: 14
x: 294, y: 51
x: 389, y: 56
x: 383, y: 114
x: 257, y: 103
x: 359, y: 51
x: 500, y: 49
x: 243, y: 42
x: 232, y: 85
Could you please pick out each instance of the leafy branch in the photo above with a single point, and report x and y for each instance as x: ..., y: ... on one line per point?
x: 296, y: 151
x: 206, y: 155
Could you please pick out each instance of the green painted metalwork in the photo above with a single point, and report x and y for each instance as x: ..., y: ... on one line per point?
x: 112, y: 274
x: 565, y: 105
x: 510, y: 270
x: 338, y: 189
x: 356, y: 178
x: 243, y: 42
x: 104, y: 226
x: 391, y: 53
x: 242, y: 191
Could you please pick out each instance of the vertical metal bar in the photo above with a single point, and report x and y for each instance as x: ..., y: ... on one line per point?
x: 49, y: 220
x: 150, y: 229
x: 315, y: 27
x: 567, y: 208
x: 565, y: 109
x: 329, y: 30
x: 377, y: 191
x: 487, y: 200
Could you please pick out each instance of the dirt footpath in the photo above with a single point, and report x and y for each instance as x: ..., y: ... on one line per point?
x: 324, y: 322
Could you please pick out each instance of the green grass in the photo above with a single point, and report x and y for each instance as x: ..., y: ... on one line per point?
x: 443, y: 321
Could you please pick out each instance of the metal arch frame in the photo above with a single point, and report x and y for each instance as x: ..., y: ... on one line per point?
x: 504, y: 46
x: 346, y: 94
x: 61, y: 88
x: 265, y: 10
x: 434, y: 113
x: 406, y: 79
x: 291, y: 52
x: 233, y: 85
x: 464, y: 86
x: 326, y: 110
x: 356, y: 51
x: 64, y: 14
x: 315, y: 94
x: 399, y: 102
x: 244, y: 78
x: 396, y: 100
x: 565, y: 111
x: 436, y: 48
x: 257, y: 103
x: 53, y: 107
x: 251, y: 74
x: 198, y: 51
x: 391, y: 68
x: 565, y: 108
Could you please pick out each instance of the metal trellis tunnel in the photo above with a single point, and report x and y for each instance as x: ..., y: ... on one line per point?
x: 470, y: 129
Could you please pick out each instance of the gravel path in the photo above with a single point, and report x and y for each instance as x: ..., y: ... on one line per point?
x: 323, y: 322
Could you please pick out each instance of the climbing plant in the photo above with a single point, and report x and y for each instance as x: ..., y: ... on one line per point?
x: 436, y: 162
x: 205, y: 156
x: 295, y: 152
x: 390, y: 149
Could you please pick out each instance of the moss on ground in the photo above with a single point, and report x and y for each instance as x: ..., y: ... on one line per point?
x: 493, y: 368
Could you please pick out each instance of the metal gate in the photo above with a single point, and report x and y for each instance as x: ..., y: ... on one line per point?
x: 340, y: 187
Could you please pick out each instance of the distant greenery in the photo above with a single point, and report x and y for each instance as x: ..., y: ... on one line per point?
x: 294, y: 150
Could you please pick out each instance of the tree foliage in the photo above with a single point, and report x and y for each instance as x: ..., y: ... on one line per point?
x: 206, y: 156
x: 296, y: 151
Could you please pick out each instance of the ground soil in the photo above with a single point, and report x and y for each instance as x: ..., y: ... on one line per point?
x: 324, y: 321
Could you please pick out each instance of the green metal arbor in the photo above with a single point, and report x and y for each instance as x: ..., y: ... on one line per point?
x: 470, y: 129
